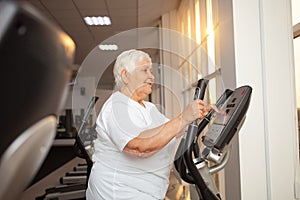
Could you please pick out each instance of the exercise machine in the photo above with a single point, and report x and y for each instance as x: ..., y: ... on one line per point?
x: 74, y: 184
x: 196, y: 165
x: 81, y: 173
x: 36, y: 58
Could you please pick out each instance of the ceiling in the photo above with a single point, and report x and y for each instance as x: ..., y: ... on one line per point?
x: 124, y: 14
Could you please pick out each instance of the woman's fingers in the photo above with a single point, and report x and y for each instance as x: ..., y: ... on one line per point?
x: 204, y: 109
x: 200, y: 109
x: 197, y: 110
x: 214, y: 107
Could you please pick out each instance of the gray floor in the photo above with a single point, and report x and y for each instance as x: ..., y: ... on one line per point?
x: 176, y: 191
x: 51, y: 180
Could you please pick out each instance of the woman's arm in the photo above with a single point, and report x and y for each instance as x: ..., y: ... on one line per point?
x: 152, y: 140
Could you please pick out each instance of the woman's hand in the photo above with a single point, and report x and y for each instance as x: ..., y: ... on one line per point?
x: 196, y: 110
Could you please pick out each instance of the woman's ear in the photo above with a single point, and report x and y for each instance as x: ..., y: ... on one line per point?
x: 124, y: 75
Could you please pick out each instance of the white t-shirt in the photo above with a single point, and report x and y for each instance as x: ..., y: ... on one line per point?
x: 117, y: 175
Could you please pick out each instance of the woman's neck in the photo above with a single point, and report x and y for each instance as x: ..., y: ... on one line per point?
x: 132, y: 95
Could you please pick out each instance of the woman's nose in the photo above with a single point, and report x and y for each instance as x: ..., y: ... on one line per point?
x: 152, y: 76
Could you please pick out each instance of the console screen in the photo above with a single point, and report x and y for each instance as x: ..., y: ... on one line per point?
x: 227, y: 119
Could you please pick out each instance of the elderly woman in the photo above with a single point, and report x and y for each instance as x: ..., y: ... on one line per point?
x: 135, y: 143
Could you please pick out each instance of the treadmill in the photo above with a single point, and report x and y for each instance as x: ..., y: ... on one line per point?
x: 196, y: 165
x: 74, y: 184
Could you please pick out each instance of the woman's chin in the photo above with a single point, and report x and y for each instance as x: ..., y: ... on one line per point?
x: 144, y: 91
x: 148, y: 90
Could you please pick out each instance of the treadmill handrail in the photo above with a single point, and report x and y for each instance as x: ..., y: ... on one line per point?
x: 78, y: 142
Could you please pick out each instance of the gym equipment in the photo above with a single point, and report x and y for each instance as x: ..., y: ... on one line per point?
x: 79, y: 144
x: 75, y: 183
x: 36, y: 58
x: 191, y: 163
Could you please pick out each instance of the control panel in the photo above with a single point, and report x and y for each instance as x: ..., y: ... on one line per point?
x: 226, y: 123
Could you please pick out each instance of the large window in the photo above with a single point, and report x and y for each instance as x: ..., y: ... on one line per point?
x: 197, y: 21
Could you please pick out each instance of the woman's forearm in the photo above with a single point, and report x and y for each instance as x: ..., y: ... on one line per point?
x: 152, y: 140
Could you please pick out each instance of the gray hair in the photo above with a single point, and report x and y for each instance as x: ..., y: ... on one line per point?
x: 127, y: 60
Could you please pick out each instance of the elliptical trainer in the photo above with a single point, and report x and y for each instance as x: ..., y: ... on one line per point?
x: 192, y: 163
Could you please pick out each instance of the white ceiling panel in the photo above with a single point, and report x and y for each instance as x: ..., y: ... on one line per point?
x: 120, y: 4
x: 125, y: 15
x: 91, y: 4
x: 123, y: 12
x: 58, y: 4
x: 66, y: 14
x: 94, y: 12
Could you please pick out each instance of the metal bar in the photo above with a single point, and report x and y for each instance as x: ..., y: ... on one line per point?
x: 218, y: 167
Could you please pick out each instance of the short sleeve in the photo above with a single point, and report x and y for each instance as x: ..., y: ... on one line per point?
x: 122, y: 122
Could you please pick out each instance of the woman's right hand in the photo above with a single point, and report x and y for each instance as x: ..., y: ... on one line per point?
x: 195, y: 110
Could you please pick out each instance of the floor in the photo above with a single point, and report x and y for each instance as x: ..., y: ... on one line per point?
x: 52, y: 180
x: 176, y: 190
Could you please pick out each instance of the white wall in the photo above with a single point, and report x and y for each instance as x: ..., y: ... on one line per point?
x: 297, y: 68
x: 263, y: 56
x: 296, y: 22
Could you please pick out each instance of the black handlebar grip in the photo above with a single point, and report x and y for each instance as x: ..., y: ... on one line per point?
x: 200, y: 90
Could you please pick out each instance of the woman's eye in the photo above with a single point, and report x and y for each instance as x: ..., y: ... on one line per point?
x: 147, y: 70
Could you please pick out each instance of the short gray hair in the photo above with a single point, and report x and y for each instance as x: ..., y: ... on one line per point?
x: 127, y: 60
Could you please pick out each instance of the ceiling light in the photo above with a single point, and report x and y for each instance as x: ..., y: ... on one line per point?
x: 108, y: 47
x: 106, y: 20
x: 101, y: 21
x: 96, y: 21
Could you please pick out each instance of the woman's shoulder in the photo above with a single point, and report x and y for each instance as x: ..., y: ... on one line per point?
x: 117, y: 101
x: 116, y: 97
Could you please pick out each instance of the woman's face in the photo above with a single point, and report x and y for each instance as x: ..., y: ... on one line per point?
x: 140, y: 81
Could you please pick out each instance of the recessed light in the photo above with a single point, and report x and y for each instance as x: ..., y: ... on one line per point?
x: 97, y: 21
x: 108, y: 47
